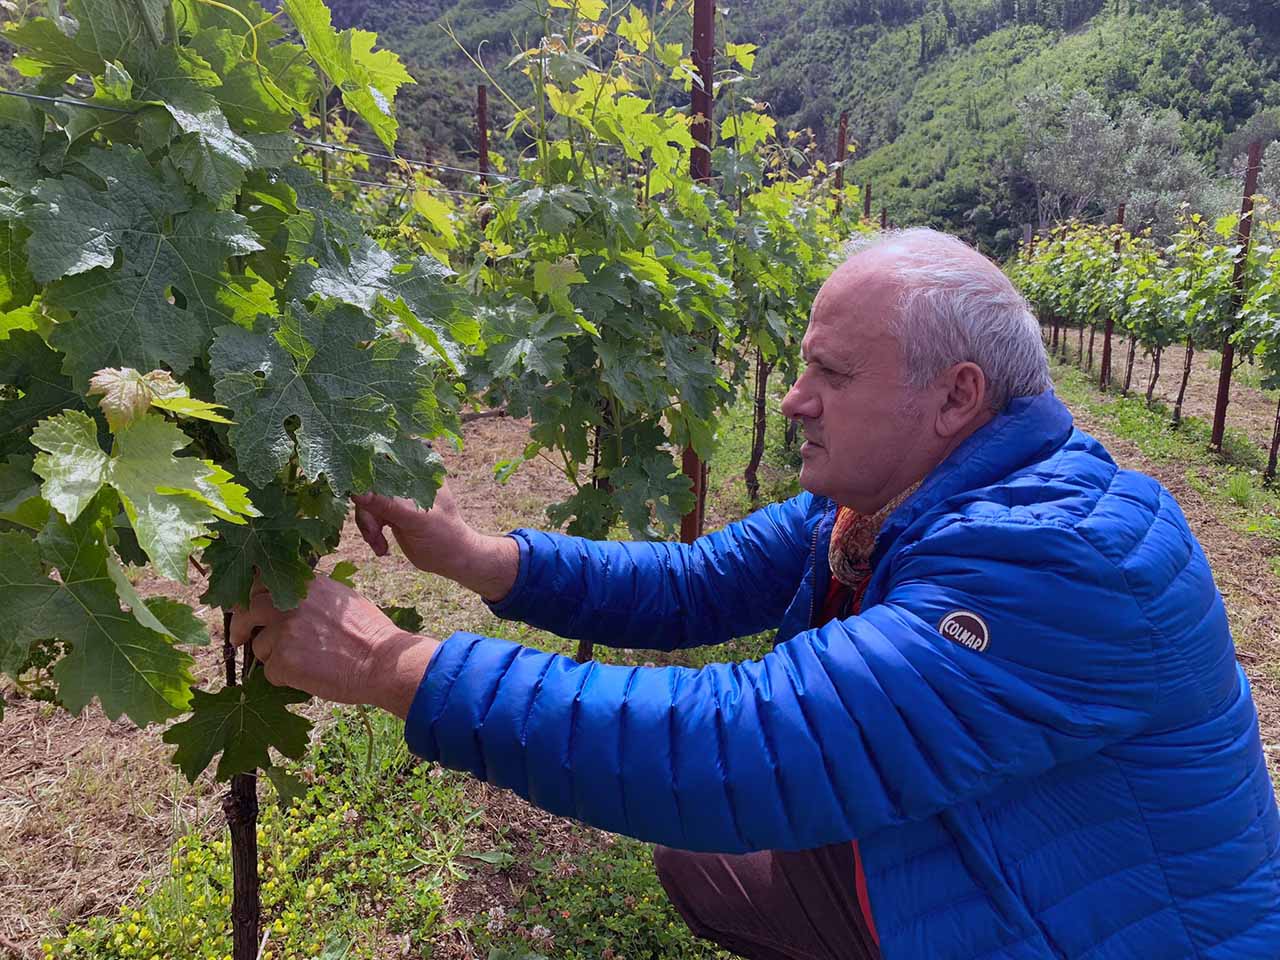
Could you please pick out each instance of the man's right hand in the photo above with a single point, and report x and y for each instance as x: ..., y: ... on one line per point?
x: 440, y: 541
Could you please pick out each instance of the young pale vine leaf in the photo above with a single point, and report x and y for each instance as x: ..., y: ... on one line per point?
x: 368, y: 79
x: 242, y: 722
x: 127, y: 394
x: 170, y: 501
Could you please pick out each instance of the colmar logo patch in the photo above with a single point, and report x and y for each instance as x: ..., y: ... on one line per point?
x: 967, y: 629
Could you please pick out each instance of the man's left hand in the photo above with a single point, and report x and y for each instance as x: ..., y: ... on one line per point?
x: 337, y: 645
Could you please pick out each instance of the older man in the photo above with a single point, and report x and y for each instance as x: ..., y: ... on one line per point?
x: 1003, y: 718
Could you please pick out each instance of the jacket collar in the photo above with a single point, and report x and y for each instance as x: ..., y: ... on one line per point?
x: 1027, y: 430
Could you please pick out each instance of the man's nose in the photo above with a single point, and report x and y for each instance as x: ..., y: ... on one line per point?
x: 799, y: 402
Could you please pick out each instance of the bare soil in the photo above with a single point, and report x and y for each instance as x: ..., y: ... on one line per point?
x: 1250, y: 409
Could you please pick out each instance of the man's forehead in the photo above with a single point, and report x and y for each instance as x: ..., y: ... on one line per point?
x: 854, y: 306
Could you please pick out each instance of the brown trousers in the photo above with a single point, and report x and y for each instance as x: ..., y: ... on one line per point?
x: 772, y: 905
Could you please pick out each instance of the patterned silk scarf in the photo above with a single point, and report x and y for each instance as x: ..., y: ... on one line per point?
x: 853, y: 538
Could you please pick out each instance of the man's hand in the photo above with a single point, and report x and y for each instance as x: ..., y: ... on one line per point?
x: 440, y: 541
x: 336, y: 645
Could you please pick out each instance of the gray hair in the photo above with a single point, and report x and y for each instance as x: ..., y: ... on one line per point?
x: 957, y: 306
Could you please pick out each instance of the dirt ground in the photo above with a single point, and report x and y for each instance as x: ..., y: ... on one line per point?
x: 88, y: 808
x: 1249, y: 409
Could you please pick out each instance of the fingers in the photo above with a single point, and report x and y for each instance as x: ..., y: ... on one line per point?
x: 374, y: 511
x: 260, y: 613
x: 370, y: 526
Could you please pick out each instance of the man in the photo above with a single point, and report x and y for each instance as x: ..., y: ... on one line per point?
x: 1003, y: 718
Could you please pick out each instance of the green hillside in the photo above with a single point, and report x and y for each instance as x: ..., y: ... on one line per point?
x: 931, y: 86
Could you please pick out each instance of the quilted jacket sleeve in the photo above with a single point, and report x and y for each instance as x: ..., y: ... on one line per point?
x: 841, y: 731
x: 664, y: 596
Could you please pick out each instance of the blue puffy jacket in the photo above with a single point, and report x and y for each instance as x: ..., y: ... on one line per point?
x: 1078, y: 775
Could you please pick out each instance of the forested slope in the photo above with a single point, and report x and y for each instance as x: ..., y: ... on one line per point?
x: 931, y: 86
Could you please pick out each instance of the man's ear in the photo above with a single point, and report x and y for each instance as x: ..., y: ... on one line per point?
x: 965, y: 402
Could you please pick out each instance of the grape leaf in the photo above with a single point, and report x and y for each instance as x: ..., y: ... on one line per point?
x: 127, y: 394
x: 254, y: 97
x: 417, y: 294
x: 17, y: 287
x: 652, y: 482
x: 344, y: 571
x: 691, y: 369
x: 521, y: 335
x: 367, y: 79
x: 130, y: 669
x: 117, y: 29
x: 76, y: 226
x: 270, y: 545
x: 29, y: 367
x: 123, y: 316
x: 28, y: 599
x: 554, y: 210
x: 169, y: 501
x: 410, y: 467
x: 44, y: 45
x: 244, y: 723
x: 179, y: 620
x: 422, y: 297
x: 20, y: 501
x: 289, y: 786
x: 358, y: 275
x: 351, y: 402
x: 406, y: 618
x: 128, y: 596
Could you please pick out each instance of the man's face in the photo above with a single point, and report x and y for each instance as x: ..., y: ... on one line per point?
x: 867, y: 435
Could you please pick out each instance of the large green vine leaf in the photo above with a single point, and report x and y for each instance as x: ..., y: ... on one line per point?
x: 326, y: 387
x: 270, y: 547
x: 168, y: 248
x: 132, y: 670
x: 367, y: 79
x: 34, y: 389
x: 243, y: 723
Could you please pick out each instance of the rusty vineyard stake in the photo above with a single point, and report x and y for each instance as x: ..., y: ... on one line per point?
x: 704, y: 30
x: 482, y: 130
x: 1243, y: 233
x: 842, y: 146
x: 866, y: 200
x: 1104, y: 378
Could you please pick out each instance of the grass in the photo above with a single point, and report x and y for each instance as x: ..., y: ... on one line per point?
x: 1232, y: 479
x: 362, y: 857
x: 604, y: 904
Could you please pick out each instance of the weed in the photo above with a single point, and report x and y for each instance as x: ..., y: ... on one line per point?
x: 1239, y: 490
x: 606, y: 904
